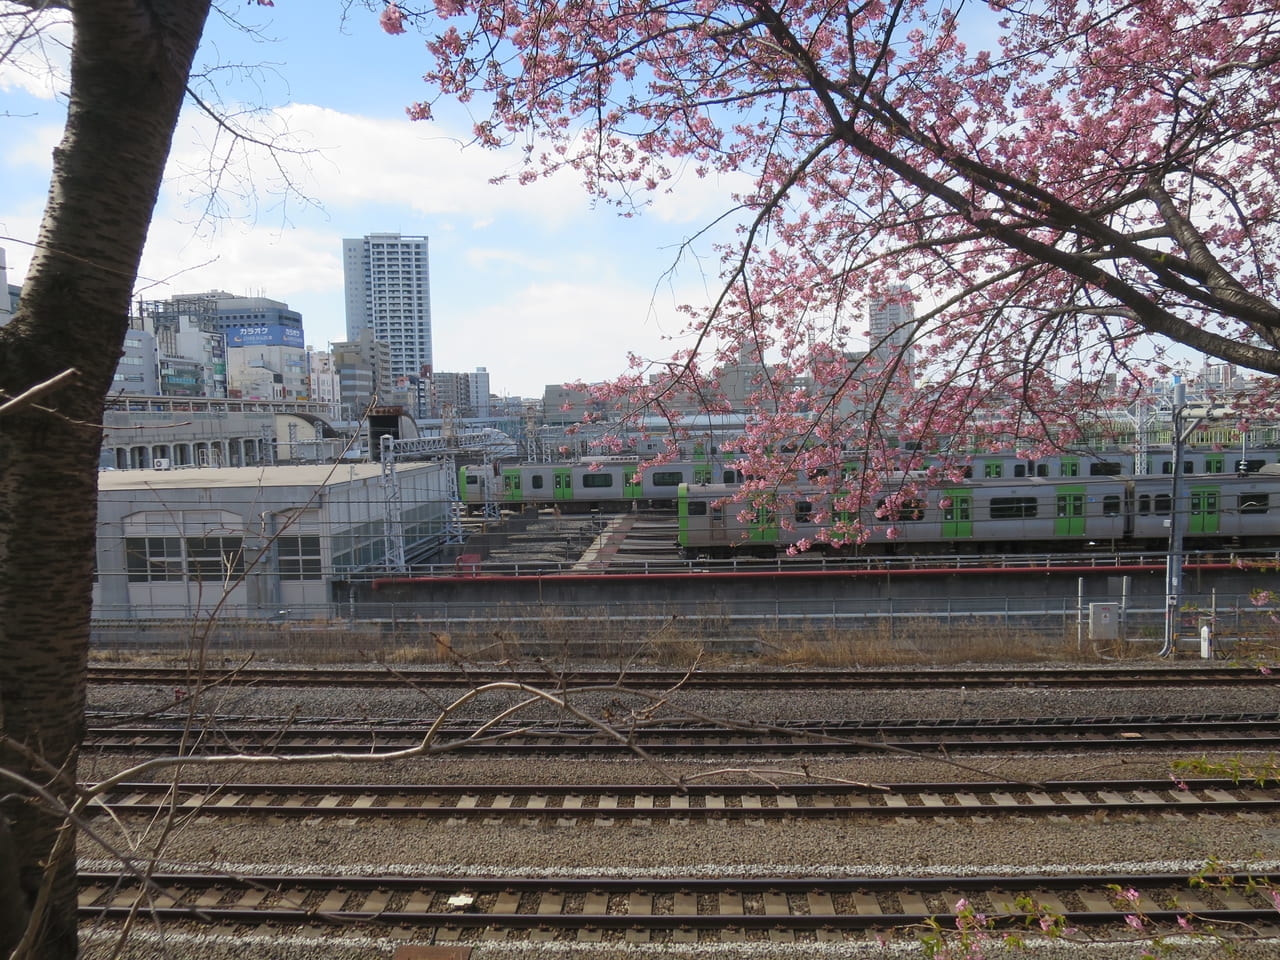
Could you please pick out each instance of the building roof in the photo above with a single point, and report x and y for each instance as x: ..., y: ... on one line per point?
x: 311, y: 475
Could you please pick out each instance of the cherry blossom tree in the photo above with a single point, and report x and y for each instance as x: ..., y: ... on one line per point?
x: 1061, y: 187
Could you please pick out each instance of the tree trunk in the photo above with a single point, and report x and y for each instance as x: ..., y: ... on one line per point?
x: 129, y: 69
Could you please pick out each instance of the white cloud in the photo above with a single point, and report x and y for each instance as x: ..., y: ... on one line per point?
x: 37, y: 47
x: 34, y: 148
x: 418, y: 168
x: 554, y: 332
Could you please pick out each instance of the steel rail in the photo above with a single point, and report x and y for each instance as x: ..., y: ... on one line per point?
x: 648, y: 679
x: 724, y: 904
x: 1245, y: 732
x: 672, y: 802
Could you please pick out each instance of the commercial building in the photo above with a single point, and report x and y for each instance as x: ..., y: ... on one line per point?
x: 458, y: 394
x: 892, y: 327
x: 190, y: 349
x: 250, y: 541
x: 363, y: 368
x: 137, y: 370
x: 387, y: 280
x: 262, y: 354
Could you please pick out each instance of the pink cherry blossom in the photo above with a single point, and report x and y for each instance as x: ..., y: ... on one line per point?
x: 392, y: 19
x: 1060, y: 195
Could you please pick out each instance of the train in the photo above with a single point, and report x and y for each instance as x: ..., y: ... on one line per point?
x: 626, y: 482
x: 1098, y: 514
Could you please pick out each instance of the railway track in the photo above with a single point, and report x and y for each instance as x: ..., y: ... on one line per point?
x: 732, y: 679
x: 284, y: 737
x: 677, y: 910
x: 624, y: 803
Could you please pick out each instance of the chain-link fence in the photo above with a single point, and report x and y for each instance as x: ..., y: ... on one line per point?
x: 766, y: 626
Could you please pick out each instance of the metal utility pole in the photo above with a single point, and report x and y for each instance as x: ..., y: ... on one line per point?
x: 1179, y: 511
x: 1177, y: 515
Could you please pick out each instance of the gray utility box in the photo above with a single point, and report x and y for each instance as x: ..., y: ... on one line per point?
x: 1104, y: 621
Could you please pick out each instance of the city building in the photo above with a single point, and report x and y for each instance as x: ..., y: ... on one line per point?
x: 891, y: 329
x: 463, y: 395
x: 363, y: 367
x: 190, y: 347
x: 322, y: 377
x: 152, y: 432
x: 388, y: 293
x: 252, y: 541
x: 265, y: 356
x: 137, y: 372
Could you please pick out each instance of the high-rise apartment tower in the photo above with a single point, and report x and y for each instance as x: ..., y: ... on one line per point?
x: 388, y: 291
x: 892, y: 323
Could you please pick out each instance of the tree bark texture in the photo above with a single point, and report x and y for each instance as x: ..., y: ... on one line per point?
x: 130, y: 64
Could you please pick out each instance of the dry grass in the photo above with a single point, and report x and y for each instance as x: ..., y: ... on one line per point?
x: 921, y: 641
x: 593, y: 635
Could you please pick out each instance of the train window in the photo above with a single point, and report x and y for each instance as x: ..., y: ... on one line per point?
x: 732, y: 476
x: 1250, y: 466
x: 1254, y: 502
x: 1163, y: 504
x: 1013, y: 508
x: 667, y: 478
x: 536, y: 481
x: 1188, y: 466
x: 905, y: 510
x: 1111, y: 505
x: 993, y: 471
x: 804, y: 511
x: 1019, y: 469
x: 1042, y: 469
x: 472, y: 479
x: 597, y: 479
x: 1144, y: 504
x: 697, y: 508
x: 1105, y: 468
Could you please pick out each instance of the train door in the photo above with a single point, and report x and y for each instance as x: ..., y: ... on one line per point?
x: 1204, y: 510
x: 1069, y: 512
x: 764, y: 525
x: 633, y: 488
x: 562, y: 484
x: 704, y: 475
x: 511, y: 491
x: 957, y: 516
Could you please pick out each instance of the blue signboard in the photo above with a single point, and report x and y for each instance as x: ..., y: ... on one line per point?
x: 264, y: 335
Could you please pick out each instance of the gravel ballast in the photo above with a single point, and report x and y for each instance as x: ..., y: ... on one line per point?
x: 835, y: 847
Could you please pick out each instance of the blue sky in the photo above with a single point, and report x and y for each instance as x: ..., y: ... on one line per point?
x: 531, y: 282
